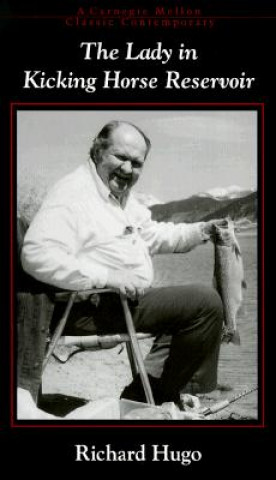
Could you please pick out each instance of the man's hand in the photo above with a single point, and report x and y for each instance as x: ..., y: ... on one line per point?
x: 189, y: 403
x: 127, y: 284
x: 208, y: 227
x: 190, y: 412
x: 190, y: 407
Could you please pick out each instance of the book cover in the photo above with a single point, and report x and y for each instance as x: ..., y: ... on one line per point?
x: 196, y: 79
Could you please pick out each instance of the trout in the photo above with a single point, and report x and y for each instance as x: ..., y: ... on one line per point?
x: 228, y: 278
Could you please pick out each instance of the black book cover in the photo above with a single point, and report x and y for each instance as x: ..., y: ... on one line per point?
x: 197, y: 77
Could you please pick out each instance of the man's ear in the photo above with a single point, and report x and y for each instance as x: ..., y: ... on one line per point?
x: 93, y: 155
x: 96, y: 155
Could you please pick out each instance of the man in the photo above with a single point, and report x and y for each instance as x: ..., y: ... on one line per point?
x: 91, y: 232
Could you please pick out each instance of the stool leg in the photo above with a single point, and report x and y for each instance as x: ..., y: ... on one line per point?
x: 136, y: 351
x: 133, y: 364
x: 58, y: 331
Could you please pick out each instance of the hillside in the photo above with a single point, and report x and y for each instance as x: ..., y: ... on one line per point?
x: 197, y: 208
x: 187, y: 210
x: 238, y: 209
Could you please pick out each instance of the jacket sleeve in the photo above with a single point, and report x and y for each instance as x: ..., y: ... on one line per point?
x: 50, y: 251
x: 167, y: 237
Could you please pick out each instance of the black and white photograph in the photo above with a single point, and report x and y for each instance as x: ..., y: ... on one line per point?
x: 137, y: 195
x: 137, y: 267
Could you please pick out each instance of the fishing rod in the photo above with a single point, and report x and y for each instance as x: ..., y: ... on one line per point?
x: 225, y: 403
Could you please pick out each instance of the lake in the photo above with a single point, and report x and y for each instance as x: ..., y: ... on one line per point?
x: 238, y: 365
x: 198, y: 265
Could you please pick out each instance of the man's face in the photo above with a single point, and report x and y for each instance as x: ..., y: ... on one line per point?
x: 120, y: 165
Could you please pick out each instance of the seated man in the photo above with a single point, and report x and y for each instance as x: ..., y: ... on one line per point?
x: 91, y: 232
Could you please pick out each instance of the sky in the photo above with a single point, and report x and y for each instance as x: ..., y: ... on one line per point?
x: 192, y: 151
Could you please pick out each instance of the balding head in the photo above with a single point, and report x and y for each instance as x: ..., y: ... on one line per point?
x: 119, y: 152
x: 105, y: 137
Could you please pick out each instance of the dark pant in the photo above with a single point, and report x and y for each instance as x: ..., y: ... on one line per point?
x: 187, y: 322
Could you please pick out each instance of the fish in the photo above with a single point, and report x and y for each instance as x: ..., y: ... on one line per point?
x: 228, y: 277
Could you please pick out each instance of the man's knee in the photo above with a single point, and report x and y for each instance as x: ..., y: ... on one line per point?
x: 212, y: 302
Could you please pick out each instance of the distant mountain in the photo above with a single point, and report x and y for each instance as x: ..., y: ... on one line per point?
x: 224, y: 193
x: 187, y: 210
x: 197, y: 208
x: 241, y: 208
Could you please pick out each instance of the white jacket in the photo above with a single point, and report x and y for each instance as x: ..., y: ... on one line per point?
x: 81, y: 231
